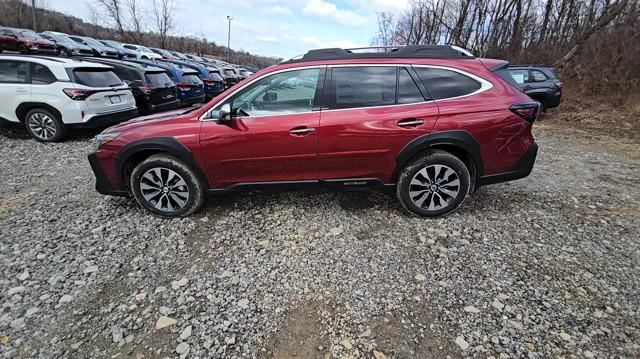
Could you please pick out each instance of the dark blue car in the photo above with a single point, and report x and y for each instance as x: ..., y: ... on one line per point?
x: 214, y: 83
x: 190, y: 87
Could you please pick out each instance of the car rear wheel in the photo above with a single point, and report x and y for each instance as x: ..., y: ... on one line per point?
x: 434, y: 184
x: 43, y: 125
x: 166, y: 187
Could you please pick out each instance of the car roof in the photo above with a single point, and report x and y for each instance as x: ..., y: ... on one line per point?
x: 53, y: 61
x: 385, y: 52
x: 135, y: 65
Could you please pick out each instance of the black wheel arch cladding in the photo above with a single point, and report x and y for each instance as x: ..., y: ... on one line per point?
x: 167, y: 145
x: 456, y: 138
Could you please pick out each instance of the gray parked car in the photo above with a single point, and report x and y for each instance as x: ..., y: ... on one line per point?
x: 539, y: 82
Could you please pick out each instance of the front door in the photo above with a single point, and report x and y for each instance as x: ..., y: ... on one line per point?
x: 372, y: 113
x: 273, y: 134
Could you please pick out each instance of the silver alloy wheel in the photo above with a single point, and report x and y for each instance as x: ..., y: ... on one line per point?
x: 434, y: 187
x: 42, y: 125
x: 164, y: 189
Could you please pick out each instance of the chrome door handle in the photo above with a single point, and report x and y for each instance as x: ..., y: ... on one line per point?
x: 410, y: 122
x: 20, y: 89
x: 301, y: 130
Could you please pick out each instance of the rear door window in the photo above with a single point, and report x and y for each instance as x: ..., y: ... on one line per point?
x: 41, y: 75
x: 158, y: 79
x: 443, y: 84
x: 408, y: 91
x: 363, y: 86
x: 94, y: 77
x: 520, y: 76
x: 14, y: 72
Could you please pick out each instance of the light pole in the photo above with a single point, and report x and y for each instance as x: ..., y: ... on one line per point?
x: 229, y: 39
x: 33, y: 14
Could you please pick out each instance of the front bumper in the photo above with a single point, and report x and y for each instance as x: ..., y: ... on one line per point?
x: 106, y: 120
x: 103, y: 185
x: 521, y: 169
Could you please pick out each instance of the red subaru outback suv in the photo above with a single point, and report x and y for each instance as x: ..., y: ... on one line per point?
x: 432, y: 121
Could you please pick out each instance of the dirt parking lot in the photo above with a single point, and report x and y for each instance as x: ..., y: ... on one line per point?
x: 543, y: 267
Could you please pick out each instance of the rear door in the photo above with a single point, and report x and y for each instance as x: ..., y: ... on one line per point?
x: 14, y: 87
x: 191, y: 84
x: 161, y: 88
x: 106, y: 91
x: 369, y: 114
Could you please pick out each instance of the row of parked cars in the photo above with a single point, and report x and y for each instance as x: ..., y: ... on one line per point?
x: 88, y: 85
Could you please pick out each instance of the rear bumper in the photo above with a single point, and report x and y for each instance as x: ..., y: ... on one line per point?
x: 106, y: 120
x: 521, y: 170
x: 554, y: 99
x: 102, y: 182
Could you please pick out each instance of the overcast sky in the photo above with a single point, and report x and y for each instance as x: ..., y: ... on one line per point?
x: 270, y: 27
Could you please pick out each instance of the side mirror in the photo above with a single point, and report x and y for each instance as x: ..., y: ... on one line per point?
x: 224, y: 114
x: 270, y: 97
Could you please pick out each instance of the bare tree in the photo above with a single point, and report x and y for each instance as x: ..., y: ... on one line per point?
x: 164, y: 11
x: 386, y: 30
x: 135, y: 15
x: 114, y: 12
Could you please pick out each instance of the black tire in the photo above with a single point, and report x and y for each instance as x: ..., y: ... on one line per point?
x: 44, y: 125
x: 440, y: 166
x: 62, y: 52
x: 23, y: 49
x: 163, y: 196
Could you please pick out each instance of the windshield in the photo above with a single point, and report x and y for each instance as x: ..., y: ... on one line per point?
x: 62, y: 38
x: 214, y: 76
x: 158, y: 79
x: 111, y: 43
x: 144, y: 49
x: 191, y: 79
x: 97, y: 77
x: 91, y: 41
x: 30, y: 35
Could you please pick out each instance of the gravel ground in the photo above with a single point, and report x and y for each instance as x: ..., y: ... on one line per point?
x: 542, y: 267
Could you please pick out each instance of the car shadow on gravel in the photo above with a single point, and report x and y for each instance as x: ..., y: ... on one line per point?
x: 14, y: 132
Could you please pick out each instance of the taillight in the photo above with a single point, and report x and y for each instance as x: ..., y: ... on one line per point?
x: 527, y: 111
x: 78, y: 94
x: 183, y: 87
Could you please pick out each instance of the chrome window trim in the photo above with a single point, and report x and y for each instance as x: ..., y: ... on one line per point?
x: 484, y: 86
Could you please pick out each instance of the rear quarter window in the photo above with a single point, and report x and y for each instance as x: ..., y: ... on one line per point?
x: 443, y: 84
x: 94, y: 77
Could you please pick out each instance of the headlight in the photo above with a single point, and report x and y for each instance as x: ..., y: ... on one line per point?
x: 75, y: 51
x: 103, y: 139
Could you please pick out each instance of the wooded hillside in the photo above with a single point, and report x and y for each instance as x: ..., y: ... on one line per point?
x: 594, y: 44
x: 126, y: 20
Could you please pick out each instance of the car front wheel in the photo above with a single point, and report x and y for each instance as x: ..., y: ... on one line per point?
x: 434, y: 184
x: 166, y: 187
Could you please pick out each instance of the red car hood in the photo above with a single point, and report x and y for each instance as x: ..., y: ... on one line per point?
x: 156, y: 117
x: 39, y: 42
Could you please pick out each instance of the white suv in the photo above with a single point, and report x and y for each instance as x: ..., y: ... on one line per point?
x: 143, y: 52
x: 49, y: 94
